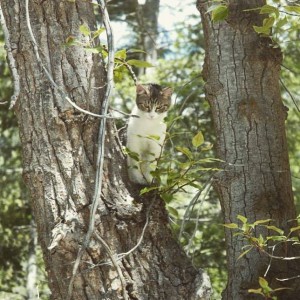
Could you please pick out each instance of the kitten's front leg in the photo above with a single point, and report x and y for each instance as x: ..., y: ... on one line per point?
x: 135, y: 173
x: 150, y: 161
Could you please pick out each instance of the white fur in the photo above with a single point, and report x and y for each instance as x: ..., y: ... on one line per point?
x: 149, y: 150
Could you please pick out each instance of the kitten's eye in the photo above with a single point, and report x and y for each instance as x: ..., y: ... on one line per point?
x: 161, y: 108
x: 146, y: 107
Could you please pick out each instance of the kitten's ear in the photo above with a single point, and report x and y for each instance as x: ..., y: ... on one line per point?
x: 167, y: 92
x: 140, y: 89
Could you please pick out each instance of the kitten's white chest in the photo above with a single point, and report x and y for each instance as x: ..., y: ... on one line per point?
x: 143, y: 126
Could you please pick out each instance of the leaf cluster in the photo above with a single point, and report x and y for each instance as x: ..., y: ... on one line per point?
x: 265, y: 290
x: 123, y: 60
x: 247, y: 232
x: 183, y: 169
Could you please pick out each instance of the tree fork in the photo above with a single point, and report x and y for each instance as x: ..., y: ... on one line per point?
x: 59, y: 147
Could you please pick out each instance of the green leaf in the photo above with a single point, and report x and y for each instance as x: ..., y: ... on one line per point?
x: 153, y: 137
x: 206, y: 146
x: 167, y: 197
x: 121, y: 54
x: 238, y: 234
x: 292, y: 9
x: 185, y: 151
x: 198, y: 139
x: 245, y: 252
x: 104, y: 54
x: 256, y: 291
x: 268, y: 22
x: 231, y: 225
x: 93, y: 49
x: 263, y: 282
x: 274, y: 228
x: 242, y: 218
x: 173, y: 211
x: 98, y: 32
x: 294, y: 239
x: 131, y: 154
x: 139, y: 63
x: 268, y: 9
x: 84, y: 29
x: 261, y: 241
x: 148, y: 189
x: 277, y: 238
x: 212, y: 7
x: 262, y: 221
x: 282, y: 22
x: 294, y: 229
x: 220, y: 13
x: 266, y: 28
x: 262, y: 30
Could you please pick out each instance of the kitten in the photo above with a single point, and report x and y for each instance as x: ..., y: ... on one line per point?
x: 146, y: 133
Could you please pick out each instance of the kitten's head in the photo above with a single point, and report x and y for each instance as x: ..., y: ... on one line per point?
x: 153, y: 100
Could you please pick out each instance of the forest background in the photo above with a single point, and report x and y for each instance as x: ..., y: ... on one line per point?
x: 177, y: 55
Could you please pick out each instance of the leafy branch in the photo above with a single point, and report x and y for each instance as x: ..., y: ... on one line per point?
x: 265, y: 290
x: 247, y: 232
x: 121, y: 60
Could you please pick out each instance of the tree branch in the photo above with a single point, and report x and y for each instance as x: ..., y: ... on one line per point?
x: 115, y: 263
x: 290, y: 94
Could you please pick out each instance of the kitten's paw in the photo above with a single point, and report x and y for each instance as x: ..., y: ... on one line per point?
x: 137, y: 177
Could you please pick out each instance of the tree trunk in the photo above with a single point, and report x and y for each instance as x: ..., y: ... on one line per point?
x: 242, y: 70
x: 59, y: 152
x: 147, y: 18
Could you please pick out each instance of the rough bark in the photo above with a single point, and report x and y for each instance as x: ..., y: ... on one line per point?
x: 242, y: 71
x: 59, y: 154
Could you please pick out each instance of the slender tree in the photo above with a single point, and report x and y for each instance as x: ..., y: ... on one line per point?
x: 130, y: 252
x: 242, y: 71
x: 147, y: 18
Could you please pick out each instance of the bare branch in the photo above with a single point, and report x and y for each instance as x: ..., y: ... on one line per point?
x: 124, y: 113
x: 122, y: 255
x: 290, y: 94
x: 101, y: 140
x: 115, y: 263
x: 191, y: 206
x: 208, y: 187
x: 290, y: 278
